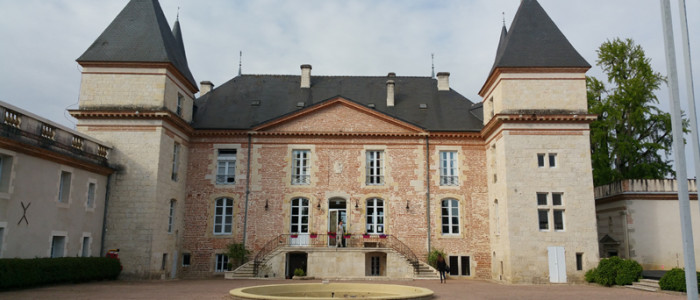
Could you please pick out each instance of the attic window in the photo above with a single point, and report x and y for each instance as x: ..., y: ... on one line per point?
x: 423, y: 106
x: 255, y: 103
x: 300, y: 104
x: 371, y: 105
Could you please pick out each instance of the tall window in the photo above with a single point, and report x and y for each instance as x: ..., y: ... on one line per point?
x: 300, y: 167
x: 223, y: 216
x: 176, y: 157
x: 450, y: 216
x: 64, y: 187
x: 375, y: 215
x: 375, y: 167
x: 171, y: 216
x: 226, y: 167
x: 448, y: 168
x: 555, y: 206
x: 178, y: 110
x: 300, y: 216
x: 91, y: 195
x: 58, y: 244
x: 221, y: 263
x: 85, y: 252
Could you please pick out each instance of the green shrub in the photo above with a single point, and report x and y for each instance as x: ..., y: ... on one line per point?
x: 674, y: 280
x: 607, y: 271
x: 433, y: 255
x: 23, y: 273
x: 299, y: 272
x: 628, y: 271
x: 590, y: 275
x: 237, y: 254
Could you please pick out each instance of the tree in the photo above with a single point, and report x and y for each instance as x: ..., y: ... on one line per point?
x: 631, y: 133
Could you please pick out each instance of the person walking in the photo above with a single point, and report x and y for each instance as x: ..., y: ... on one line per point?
x: 339, y: 231
x: 442, y: 268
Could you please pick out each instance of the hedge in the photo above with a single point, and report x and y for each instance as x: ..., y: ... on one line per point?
x: 615, y: 271
x: 674, y: 280
x: 23, y: 273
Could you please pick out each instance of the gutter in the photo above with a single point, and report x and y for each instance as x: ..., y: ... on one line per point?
x: 104, y: 216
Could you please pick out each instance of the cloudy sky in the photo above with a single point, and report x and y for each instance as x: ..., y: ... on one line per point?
x: 42, y: 38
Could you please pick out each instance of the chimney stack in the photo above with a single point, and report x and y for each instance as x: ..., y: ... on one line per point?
x: 305, y: 76
x: 443, y: 81
x: 390, y: 93
x: 205, y: 87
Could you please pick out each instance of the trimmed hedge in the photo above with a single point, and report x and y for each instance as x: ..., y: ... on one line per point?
x: 23, y: 273
x: 615, y: 270
x: 674, y: 280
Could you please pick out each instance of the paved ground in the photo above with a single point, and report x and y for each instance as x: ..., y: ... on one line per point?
x: 218, y: 289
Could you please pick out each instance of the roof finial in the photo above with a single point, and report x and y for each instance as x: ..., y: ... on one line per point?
x: 432, y: 62
x: 177, y: 18
x: 240, y: 62
x: 504, y: 18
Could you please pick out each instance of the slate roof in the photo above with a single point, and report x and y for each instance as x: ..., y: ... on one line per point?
x: 230, y: 106
x: 140, y: 33
x: 533, y: 40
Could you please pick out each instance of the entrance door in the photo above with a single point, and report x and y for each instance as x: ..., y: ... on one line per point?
x: 336, y: 213
x: 295, y: 260
x: 299, y: 223
x: 557, y: 265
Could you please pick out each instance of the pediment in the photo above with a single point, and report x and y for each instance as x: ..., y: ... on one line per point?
x: 340, y: 116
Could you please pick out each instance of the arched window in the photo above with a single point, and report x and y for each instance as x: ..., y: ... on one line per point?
x: 223, y: 216
x: 375, y: 215
x: 300, y: 216
x: 450, y: 216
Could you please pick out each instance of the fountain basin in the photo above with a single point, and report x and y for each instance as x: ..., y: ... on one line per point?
x: 331, y: 291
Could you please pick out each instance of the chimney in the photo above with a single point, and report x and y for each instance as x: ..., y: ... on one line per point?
x: 443, y: 81
x: 305, y: 76
x: 205, y: 87
x: 390, y: 93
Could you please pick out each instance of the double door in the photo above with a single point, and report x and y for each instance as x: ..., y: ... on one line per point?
x: 335, y: 215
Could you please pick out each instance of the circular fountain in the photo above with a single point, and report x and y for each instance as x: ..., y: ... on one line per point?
x: 331, y: 291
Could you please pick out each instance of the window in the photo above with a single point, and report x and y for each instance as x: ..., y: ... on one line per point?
x: 459, y: 266
x: 176, y: 155
x: 178, y: 110
x: 300, y: 216
x: 91, y: 195
x: 552, y: 160
x: 448, y: 168
x: 2, y: 236
x: 498, y: 217
x: 171, y: 216
x: 540, y: 160
x: 375, y: 168
x: 226, y: 167
x: 5, y: 173
x: 556, y: 207
x: 491, y: 107
x: 85, y: 252
x: 223, y: 216
x: 221, y: 263
x: 300, y: 167
x: 58, y: 244
x: 375, y: 215
x: 164, y: 261
x: 450, y: 216
x: 185, y: 259
x: 579, y: 261
x: 64, y: 187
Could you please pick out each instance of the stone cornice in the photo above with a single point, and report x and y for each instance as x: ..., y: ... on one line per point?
x: 164, y: 115
x: 498, y: 120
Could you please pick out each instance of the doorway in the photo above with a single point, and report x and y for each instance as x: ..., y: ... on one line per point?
x: 295, y: 260
x: 557, y: 264
x: 337, y: 211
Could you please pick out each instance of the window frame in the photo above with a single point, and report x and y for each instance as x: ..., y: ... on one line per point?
x: 449, y: 168
x: 300, y: 167
x: 91, y: 193
x: 171, y: 215
x: 375, y: 220
x: 221, y: 263
x: 452, y: 205
x: 551, y: 214
x: 226, y: 159
x: 64, y: 187
x: 85, y: 247
x: 220, y: 218
x: 374, y: 167
x: 299, y: 221
x: 53, y: 253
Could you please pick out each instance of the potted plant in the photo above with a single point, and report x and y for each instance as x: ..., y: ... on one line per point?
x: 346, y: 235
x: 299, y: 272
x: 331, y: 235
x: 365, y: 235
x: 313, y: 235
x: 382, y: 236
x: 294, y: 235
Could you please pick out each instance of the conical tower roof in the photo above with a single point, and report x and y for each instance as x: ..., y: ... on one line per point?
x: 140, y: 34
x: 534, y: 41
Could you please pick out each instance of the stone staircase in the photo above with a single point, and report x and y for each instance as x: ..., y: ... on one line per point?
x: 649, y: 285
x: 425, y: 272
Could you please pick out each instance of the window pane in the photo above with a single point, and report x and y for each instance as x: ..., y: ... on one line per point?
x: 543, y: 218
x: 556, y: 199
x: 540, y: 160
x: 454, y: 265
x: 552, y: 160
x: 541, y: 198
x: 558, y: 219
x: 465, y: 266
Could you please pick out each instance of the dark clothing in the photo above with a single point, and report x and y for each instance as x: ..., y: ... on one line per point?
x: 442, y: 269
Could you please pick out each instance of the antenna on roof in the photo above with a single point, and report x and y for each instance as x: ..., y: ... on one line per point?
x: 432, y: 62
x: 240, y: 62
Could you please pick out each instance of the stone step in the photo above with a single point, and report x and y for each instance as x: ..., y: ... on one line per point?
x: 642, y: 287
x: 649, y: 282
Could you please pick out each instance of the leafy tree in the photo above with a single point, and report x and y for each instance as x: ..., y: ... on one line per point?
x: 631, y: 133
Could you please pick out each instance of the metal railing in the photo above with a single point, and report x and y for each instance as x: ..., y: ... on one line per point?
x: 329, y: 240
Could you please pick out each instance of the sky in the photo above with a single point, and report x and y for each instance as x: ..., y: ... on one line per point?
x: 42, y: 38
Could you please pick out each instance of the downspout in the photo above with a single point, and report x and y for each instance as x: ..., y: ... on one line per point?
x: 427, y: 186
x: 247, y: 193
x: 104, y: 216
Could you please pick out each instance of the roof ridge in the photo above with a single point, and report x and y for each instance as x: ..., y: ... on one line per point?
x: 336, y: 76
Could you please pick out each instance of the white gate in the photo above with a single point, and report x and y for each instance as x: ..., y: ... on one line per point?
x: 557, y: 265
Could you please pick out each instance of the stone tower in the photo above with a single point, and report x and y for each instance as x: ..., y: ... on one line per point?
x: 536, y: 128
x: 137, y: 94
